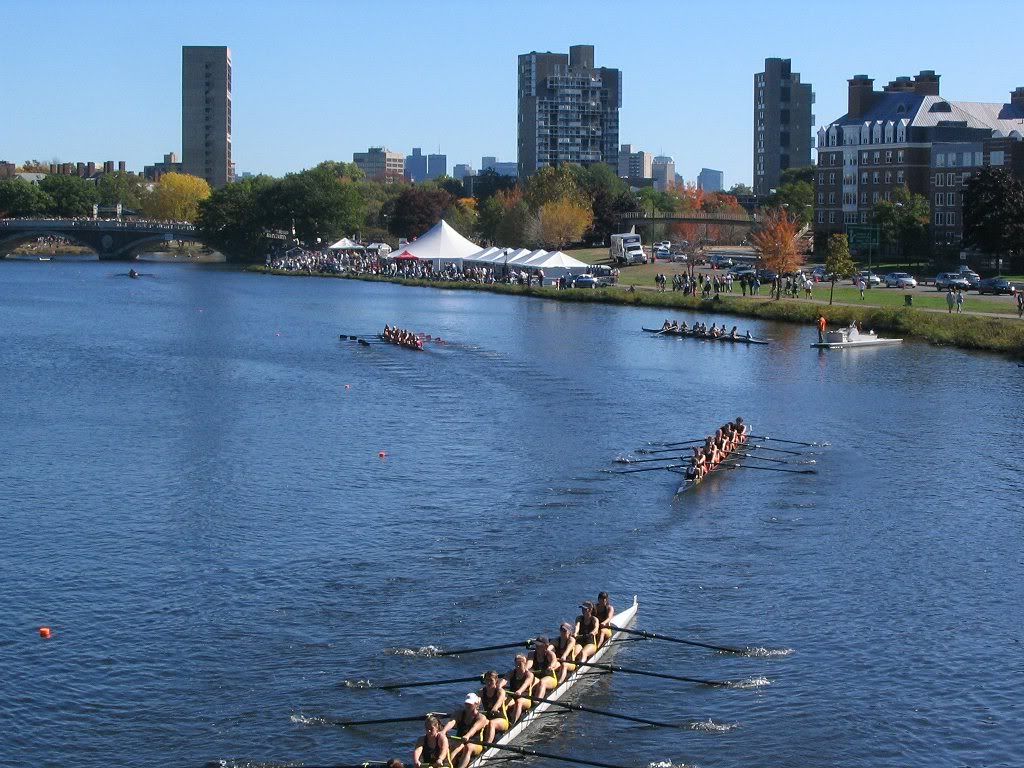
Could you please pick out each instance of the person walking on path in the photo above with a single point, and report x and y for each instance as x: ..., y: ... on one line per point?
x: 1020, y: 303
x: 959, y: 302
x: 861, y: 285
x: 950, y: 300
x: 822, y: 325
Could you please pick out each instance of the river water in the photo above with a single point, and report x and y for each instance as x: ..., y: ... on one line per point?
x: 193, y: 500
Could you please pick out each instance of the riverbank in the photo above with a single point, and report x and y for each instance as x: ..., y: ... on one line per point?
x: 965, y: 331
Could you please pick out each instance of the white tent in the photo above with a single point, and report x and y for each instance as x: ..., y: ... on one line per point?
x: 483, y: 257
x: 345, y: 245
x: 558, y: 263
x: 522, y: 257
x: 442, y: 244
x: 381, y: 249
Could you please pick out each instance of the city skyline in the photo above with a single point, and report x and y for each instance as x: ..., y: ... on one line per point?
x: 684, y: 95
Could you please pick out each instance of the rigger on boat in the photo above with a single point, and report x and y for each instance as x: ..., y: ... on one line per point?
x: 508, y: 705
x: 717, y: 449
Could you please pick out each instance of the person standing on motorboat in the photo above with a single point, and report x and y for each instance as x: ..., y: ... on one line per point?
x: 822, y: 325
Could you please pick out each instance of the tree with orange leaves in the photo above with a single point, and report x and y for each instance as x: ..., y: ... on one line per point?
x: 775, y: 241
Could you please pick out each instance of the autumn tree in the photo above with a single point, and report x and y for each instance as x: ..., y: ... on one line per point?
x: 550, y: 184
x: 417, y: 209
x: 563, y: 222
x: 775, y: 241
x: 176, y: 197
x: 838, y: 264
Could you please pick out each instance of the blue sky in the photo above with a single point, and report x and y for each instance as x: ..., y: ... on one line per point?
x: 317, y: 80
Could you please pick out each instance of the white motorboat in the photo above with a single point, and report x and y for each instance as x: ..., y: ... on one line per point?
x: 846, y: 338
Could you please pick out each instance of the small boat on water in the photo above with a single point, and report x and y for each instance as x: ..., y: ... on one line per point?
x: 622, y: 619
x: 689, y: 484
x: 707, y: 336
x: 847, y: 338
x: 416, y: 345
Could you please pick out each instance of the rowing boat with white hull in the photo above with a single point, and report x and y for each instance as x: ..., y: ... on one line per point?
x: 622, y: 619
x: 689, y: 484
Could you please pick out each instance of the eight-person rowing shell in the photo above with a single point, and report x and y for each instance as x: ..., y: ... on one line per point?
x: 702, y: 330
x: 716, y: 449
x: 402, y: 337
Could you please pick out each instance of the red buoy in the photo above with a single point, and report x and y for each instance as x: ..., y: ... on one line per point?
x: 382, y: 454
x: 45, y: 633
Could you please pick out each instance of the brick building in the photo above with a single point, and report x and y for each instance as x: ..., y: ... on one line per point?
x: 908, y: 135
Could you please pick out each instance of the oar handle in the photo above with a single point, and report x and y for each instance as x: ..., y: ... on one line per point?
x: 776, y: 469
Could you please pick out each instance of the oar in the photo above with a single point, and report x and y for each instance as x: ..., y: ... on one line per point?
x: 666, y: 450
x: 780, y: 440
x: 591, y: 710
x: 662, y: 675
x: 383, y: 720
x: 680, y: 640
x: 535, y: 753
x: 642, y: 461
x: 424, y: 683
x: 760, y: 447
x: 503, y: 646
x: 684, y: 442
x: 291, y: 764
x: 765, y: 458
x: 775, y: 469
x: 642, y: 469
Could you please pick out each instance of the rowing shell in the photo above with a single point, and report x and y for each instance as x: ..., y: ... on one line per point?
x: 708, y: 337
x: 417, y: 347
x: 689, y: 484
x: 623, y: 619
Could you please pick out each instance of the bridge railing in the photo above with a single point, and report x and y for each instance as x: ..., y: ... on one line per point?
x: 739, y: 218
x: 105, y: 224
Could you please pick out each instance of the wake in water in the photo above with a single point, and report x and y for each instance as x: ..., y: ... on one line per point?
x: 301, y: 719
x: 753, y: 682
x: 710, y: 726
x: 670, y: 764
x: 358, y: 684
x: 426, y: 651
x: 768, y: 653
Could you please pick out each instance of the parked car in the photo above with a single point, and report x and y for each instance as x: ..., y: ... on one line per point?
x: 972, y: 277
x: 766, y: 275
x: 899, y: 280
x: 738, y: 272
x: 946, y: 280
x: 604, y: 274
x: 870, y: 278
x: 583, y: 281
x: 721, y: 261
x: 997, y: 286
x: 660, y: 252
x: 680, y: 257
x: 663, y: 244
x: 818, y: 274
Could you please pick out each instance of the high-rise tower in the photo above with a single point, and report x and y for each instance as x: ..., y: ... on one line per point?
x: 782, y: 123
x: 206, y: 113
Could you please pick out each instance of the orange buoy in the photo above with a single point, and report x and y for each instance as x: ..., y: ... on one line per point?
x: 382, y: 454
x: 45, y: 633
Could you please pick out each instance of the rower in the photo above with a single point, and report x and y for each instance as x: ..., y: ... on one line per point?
x: 682, y: 326
x: 666, y: 325
x: 469, y: 726
x: 494, y: 705
x: 732, y: 333
x: 544, y: 664
x: 587, y: 628
x: 519, y: 682
x: 675, y: 326
x: 604, y: 612
x: 566, y: 650
x: 741, y: 429
x: 748, y: 334
x: 432, y: 747
x: 695, y: 470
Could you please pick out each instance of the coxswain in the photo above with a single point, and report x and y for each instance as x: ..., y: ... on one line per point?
x: 588, y: 626
x: 748, y: 334
x: 387, y: 331
x: 520, y: 681
x: 566, y: 650
x: 494, y: 705
x: 432, y: 747
x: 545, y: 665
x: 469, y: 726
x: 604, y: 612
x: 132, y: 273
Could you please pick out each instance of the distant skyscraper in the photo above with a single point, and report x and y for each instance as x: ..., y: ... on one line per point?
x: 437, y: 166
x: 568, y: 110
x: 664, y: 171
x: 206, y: 113
x: 416, y: 165
x: 782, y: 123
x: 711, y: 180
x: 491, y: 163
x: 635, y: 164
x: 462, y: 170
x: 380, y: 164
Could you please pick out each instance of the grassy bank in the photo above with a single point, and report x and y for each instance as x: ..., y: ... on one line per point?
x: 964, y: 331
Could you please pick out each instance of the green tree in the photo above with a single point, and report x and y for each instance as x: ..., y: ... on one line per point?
x: 838, y: 264
x: 417, y: 209
x: 994, y: 212
x: 903, y: 220
x: 793, y: 175
x: 740, y: 190
x: 462, y: 215
x: 453, y: 187
x: 124, y: 188
x: 550, y: 184
x: 609, y: 198
x: 234, y: 219
x: 71, y: 195
x: 22, y: 198
x: 488, y: 183
x: 318, y: 204
x: 797, y: 197
x: 491, y: 212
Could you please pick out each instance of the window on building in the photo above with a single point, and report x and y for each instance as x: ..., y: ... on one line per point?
x: 950, y: 179
x: 899, y: 156
x: 863, y: 217
x: 951, y: 159
x: 888, y: 195
x: 899, y: 177
x: 874, y: 197
x: 821, y: 217
x: 878, y: 156
x: 978, y: 158
x: 938, y: 219
x: 951, y: 218
x: 821, y: 198
x: 835, y: 158
x: 864, y: 157
x: 821, y: 178
x: 996, y: 157
x: 831, y: 217
x: 964, y: 177
x: 967, y: 159
x: 863, y: 198
x: 864, y: 177
x: 951, y: 198
x: 888, y: 156
x: 940, y: 199
x: 831, y: 198
x: 888, y: 177
x: 874, y: 177
x: 831, y: 178
x: 940, y: 160
x: 940, y: 179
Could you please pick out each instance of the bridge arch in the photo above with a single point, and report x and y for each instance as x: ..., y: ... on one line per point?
x: 9, y: 242
x: 114, y: 240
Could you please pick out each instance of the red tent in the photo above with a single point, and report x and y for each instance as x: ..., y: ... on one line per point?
x: 405, y: 256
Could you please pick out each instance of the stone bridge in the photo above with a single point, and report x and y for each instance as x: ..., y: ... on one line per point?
x: 110, y: 238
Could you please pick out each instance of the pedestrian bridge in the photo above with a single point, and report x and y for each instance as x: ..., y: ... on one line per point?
x: 111, y: 239
x: 730, y: 218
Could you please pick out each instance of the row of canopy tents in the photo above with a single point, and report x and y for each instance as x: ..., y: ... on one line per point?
x: 442, y: 244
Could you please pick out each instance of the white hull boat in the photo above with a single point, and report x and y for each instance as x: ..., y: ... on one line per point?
x: 847, y: 338
x: 623, y: 619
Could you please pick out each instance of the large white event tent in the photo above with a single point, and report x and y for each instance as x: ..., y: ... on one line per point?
x: 441, y: 243
x: 345, y: 245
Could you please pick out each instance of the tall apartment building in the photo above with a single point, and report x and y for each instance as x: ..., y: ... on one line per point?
x: 206, y: 113
x: 415, y: 168
x: 380, y: 164
x: 663, y: 169
x: 710, y: 180
x: 437, y: 166
x: 782, y: 123
x: 568, y: 110
x: 908, y: 135
x: 635, y: 164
